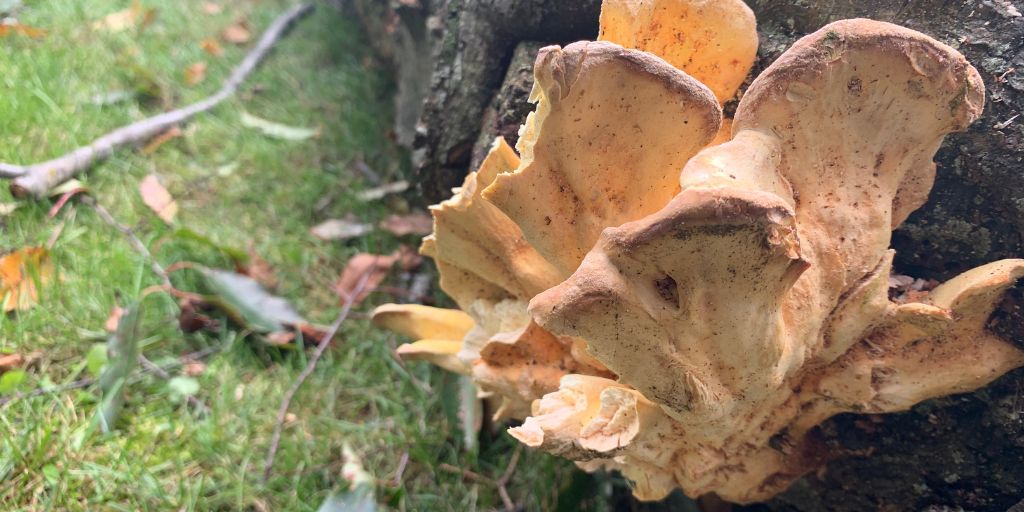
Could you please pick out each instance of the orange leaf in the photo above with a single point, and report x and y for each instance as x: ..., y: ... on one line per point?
x: 158, y: 199
x: 133, y: 16
x: 114, y: 319
x: 212, y: 47
x: 25, y: 30
x: 161, y: 139
x: 195, y: 73
x: 10, y: 361
x: 237, y: 33
x: 20, y: 273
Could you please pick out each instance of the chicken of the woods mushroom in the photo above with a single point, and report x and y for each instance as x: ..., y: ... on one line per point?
x: 689, y: 329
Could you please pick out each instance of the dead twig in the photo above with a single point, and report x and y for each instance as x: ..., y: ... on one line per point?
x: 282, y: 412
x: 132, y: 239
x: 36, y: 179
x: 501, y: 483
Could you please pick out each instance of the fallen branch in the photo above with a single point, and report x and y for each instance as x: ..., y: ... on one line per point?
x: 133, y: 239
x: 37, y: 179
x: 282, y: 412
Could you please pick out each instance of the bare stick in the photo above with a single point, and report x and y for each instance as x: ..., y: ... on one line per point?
x: 37, y: 179
x: 282, y: 412
x: 134, y: 240
x: 506, y: 476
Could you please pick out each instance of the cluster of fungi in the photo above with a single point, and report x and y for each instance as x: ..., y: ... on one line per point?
x: 657, y: 290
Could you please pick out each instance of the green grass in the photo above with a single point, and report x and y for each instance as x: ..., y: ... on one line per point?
x: 238, y: 187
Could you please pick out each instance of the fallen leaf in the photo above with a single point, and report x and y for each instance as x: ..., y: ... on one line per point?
x: 375, y: 193
x: 115, y: 318
x: 21, y: 273
x: 249, y: 304
x: 158, y: 199
x: 259, y: 269
x: 191, y: 317
x: 7, y: 29
x: 134, y: 16
x: 212, y: 47
x: 237, y: 33
x: 340, y: 229
x: 417, y: 223
x: 212, y: 8
x: 10, y: 361
x: 276, y: 130
x: 193, y: 368
x: 375, y: 268
x: 280, y: 338
x: 195, y: 73
x: 160, y: 140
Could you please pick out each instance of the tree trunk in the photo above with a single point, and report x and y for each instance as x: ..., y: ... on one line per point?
x: 962, y: 452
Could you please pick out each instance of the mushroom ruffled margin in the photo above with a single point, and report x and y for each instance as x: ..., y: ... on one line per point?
x: 691, y: 330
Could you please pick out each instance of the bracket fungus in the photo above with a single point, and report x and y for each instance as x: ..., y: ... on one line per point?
x: 685, y: 311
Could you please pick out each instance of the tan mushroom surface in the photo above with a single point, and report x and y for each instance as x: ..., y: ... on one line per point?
x: 714, y: 41
x: 656, y: 297
x: 754, y: 305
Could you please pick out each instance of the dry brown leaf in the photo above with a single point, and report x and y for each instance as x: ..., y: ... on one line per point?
x: 10, y: 361
x: 158, y: 199
x: 212, y: 47
x: 114, y: 319
x: 161, y: 139
x: 376, y: 268
x: 212, y: 8
x: 192, y: 319
x: 20, y: 273
x: 280, y: 338
x: 195, y: 73
x: 237, y: 33
x: 416, y: 223
x: 7, y: 29
x: 193, y: 368
x: 134, y: 16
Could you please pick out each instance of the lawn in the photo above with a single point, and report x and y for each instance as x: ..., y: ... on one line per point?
x: 239, y: 188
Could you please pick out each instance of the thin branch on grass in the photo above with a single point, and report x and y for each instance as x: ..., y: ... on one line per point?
x: 501, y: 483
x: 132, y: 239
x: 88, y: 381
x: 37, y: 179
x: 282, y: 412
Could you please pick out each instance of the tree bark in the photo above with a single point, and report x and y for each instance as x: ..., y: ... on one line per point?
x: 962, y: 452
